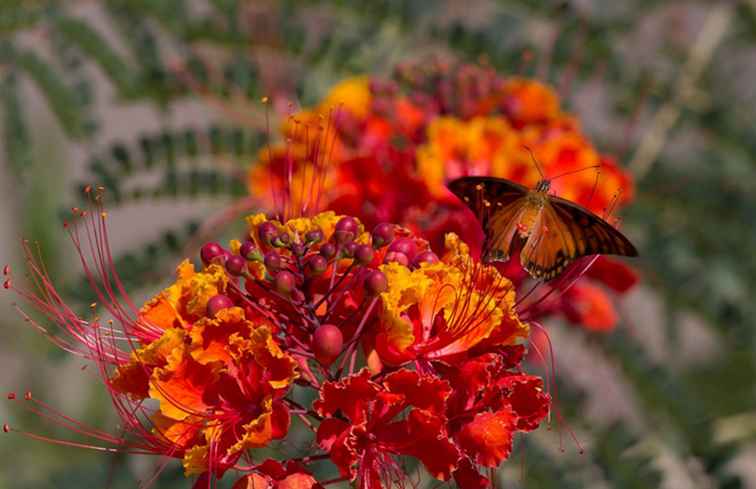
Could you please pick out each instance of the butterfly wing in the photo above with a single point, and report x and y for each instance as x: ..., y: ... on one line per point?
x: 566, y: 231
x: 498, y: 205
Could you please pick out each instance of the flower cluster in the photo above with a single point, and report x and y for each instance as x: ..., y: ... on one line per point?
x: 407, y: 353
x: 396, y: 142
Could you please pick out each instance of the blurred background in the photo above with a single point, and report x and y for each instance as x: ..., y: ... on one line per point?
x: 159, y: 102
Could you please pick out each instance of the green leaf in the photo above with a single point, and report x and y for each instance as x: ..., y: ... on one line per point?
x: 61, y: 99
x: 15, y: 131
x: 92, y: 43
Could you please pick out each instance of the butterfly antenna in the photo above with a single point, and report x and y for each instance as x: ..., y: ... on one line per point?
x: 595, y: 184
x: 535, y: 162
x: 612, y: 204
x: 575, y: 171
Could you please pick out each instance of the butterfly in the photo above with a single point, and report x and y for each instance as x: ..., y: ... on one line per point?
x: 555, y: 231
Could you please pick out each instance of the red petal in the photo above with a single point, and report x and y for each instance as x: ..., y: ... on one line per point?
x: 511, y: 355
x: 468, y: 379
x: 467, y: 477
x: 487, y: 439
x: 430, y: 444
x: 281, y: 419
x: 528, y: 400
x: 426, y: 392
x: 344, y: 454
x: 350, y: 395
x: 181, y: 390
x: 272, y: 468
x: 329, y: 431
x: 613, y: 273
x: 590, y: 306
x: 389, y: 354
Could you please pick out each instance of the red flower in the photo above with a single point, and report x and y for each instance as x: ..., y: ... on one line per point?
x: 364, y: 443
x: 489, y: 403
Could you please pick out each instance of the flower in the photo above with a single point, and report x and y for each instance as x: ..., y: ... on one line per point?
x: 489, y: 403
x: 445, y: 308
x: 206, y: 371
x: 218, y: 377
x: 362, y: 445
x: 397, y: 142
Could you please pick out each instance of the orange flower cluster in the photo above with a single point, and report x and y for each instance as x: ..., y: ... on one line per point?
x: 396, y: 143
x: 404, y: 353
x: 218, y: 373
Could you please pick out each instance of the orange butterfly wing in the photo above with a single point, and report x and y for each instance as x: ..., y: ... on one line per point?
x: 561, y: 231
x: 598, y: 237
x: 498, y: 204
x: 550, y: 245
x: 566, y: 231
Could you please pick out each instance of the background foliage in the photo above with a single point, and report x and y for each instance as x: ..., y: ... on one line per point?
x: 159, y: 102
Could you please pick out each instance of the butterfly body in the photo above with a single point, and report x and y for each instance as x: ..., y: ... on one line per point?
x: 530, y: 213
x: 551, y: 231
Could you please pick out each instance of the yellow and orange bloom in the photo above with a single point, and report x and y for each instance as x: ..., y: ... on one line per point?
x: 206, y: 370
x: 446, y: 308
x: 396, y: 143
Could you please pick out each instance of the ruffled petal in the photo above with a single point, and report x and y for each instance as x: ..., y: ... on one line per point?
x: 528, y: 400
x: 487, y: 439
x: 349, y: 395
x: 424, y: 392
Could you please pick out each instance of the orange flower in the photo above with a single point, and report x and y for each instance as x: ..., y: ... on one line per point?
x: 529, y: 102
x: 216, y: 377
x: 185, y: 301
x: 445, y: 308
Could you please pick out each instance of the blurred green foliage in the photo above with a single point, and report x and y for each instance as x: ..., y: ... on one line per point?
x: 693, y: 216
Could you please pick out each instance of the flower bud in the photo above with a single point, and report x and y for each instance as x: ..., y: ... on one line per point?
x: 249, y: 251
x: 217, y: 303
x: 383, y: 234
x: 212, y: 251
x: 396, y: 256
x: 316, y: 265
x: 282, y: 240
x: 328, y: 251
x: 236, y: 265
x: 327, y: 342
x: 404, y: 245
x: 313, y: 237
x: 272, y: 261
x: 298, y: 249
x: 346, y: 230
x: 364, y: 254
x: 285, y: 282
x: 376, y: 283
x: 349, y: 249
x: 267, y: 232
x: 425, y: 257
